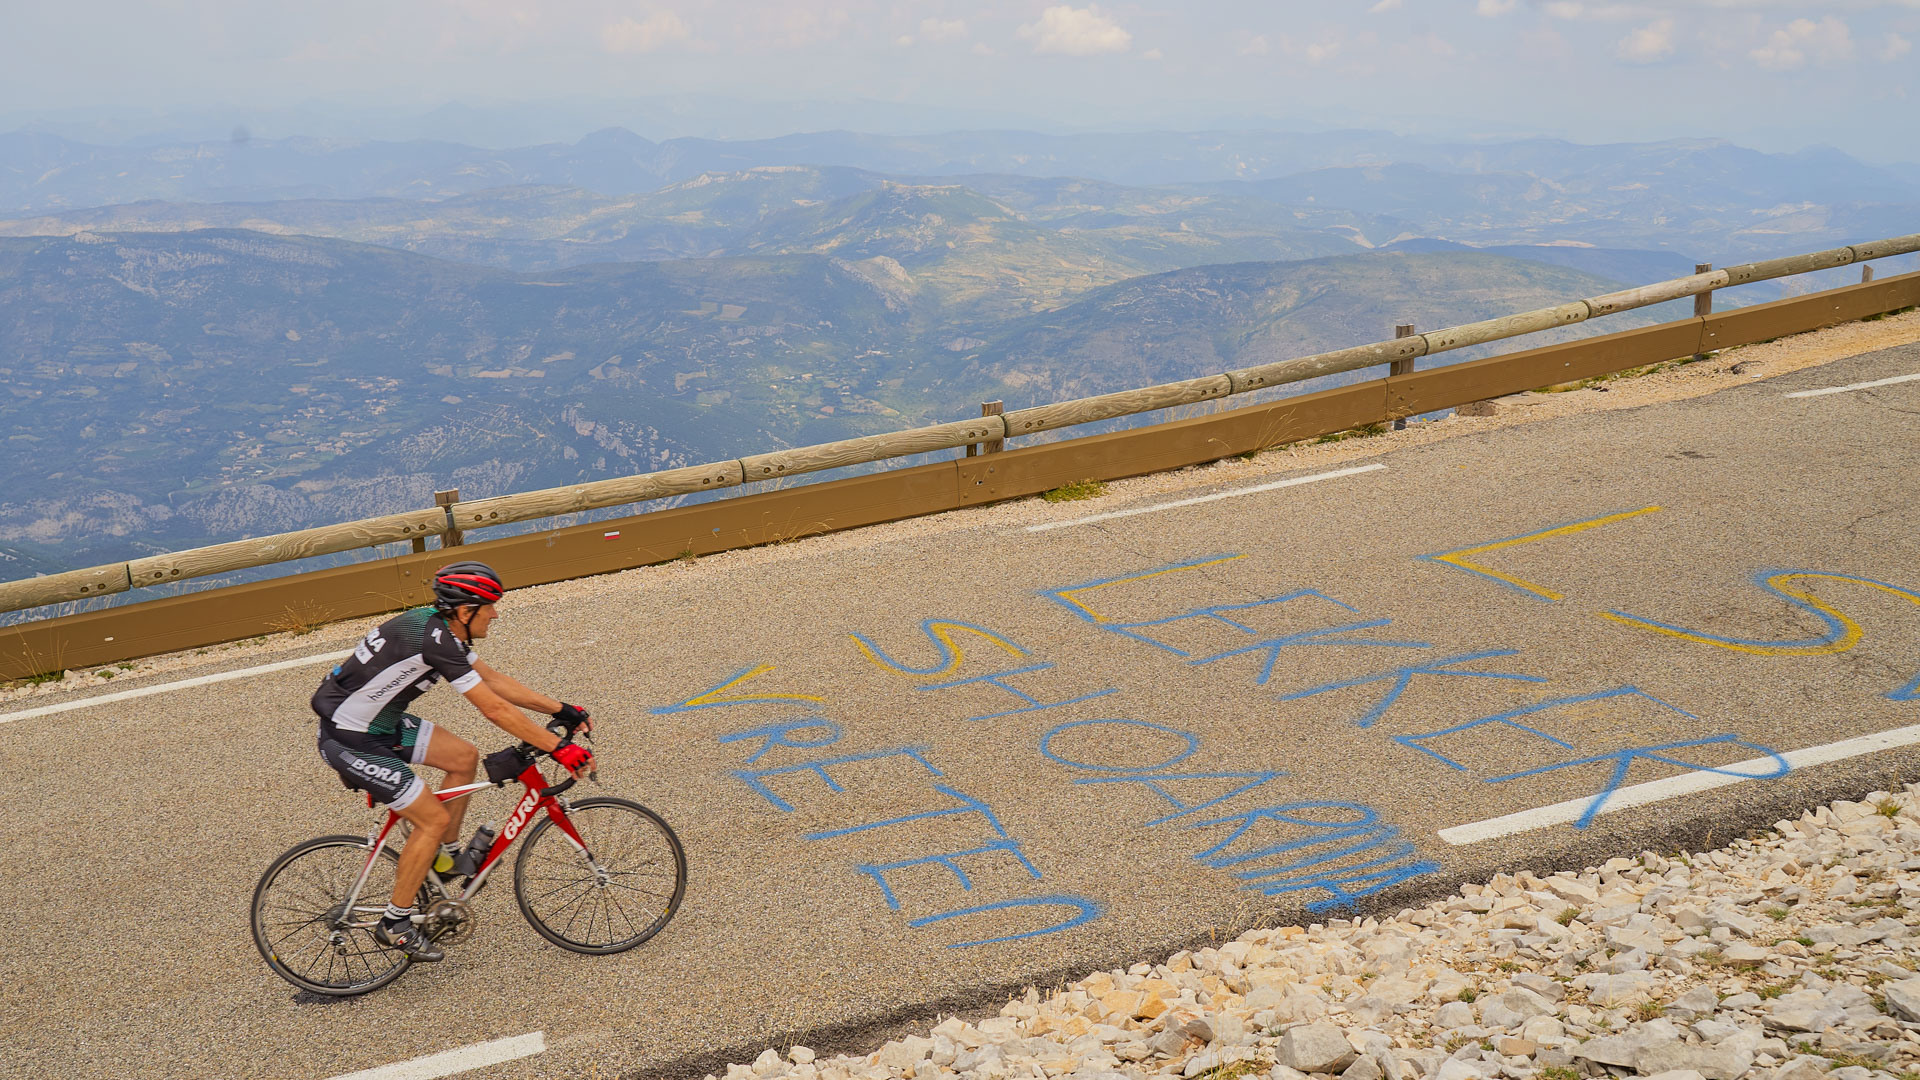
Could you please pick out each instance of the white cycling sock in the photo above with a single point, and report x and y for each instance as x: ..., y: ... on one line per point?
x: 398, y: 914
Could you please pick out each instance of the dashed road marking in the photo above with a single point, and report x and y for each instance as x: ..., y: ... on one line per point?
x: 1255, y: 490
x: 163, y: 688
x: 450, y: 1062
x: 1823, y: 391
x: 1626, y: 798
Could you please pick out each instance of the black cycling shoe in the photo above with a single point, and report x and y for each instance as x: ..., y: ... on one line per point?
x: 409, y: 940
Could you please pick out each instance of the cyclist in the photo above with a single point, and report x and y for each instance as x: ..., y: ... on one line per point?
x: 369, y: 738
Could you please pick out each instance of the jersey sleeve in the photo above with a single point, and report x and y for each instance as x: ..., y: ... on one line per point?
x: 453, y: 661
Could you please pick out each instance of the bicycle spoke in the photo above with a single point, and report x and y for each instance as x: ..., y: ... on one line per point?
x: 614, y: 902
x: 576, y: 882
x: 295, y: 909
x: 573, y: 897
x: 583, y: 895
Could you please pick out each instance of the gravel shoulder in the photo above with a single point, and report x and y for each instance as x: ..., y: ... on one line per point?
x: 1789, y: 956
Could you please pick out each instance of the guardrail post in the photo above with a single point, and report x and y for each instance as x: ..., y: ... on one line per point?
x: 452, y: 537
x: 1702, y: 302
x: 1401, y: 367
x: 1866, y: 274
x: 991, y: 446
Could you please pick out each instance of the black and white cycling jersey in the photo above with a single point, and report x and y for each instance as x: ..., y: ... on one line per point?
x: 398, y: 661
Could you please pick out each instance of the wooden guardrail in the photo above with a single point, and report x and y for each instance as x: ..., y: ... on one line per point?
x: 344, y: 592
x: 526, y: 506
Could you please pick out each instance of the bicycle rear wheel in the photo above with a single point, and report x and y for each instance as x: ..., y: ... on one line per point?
x: 618, y: 893
x: 301, y: 925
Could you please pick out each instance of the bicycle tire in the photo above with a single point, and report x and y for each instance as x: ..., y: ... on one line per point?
x: 324, y: 883
x: 643, y: 866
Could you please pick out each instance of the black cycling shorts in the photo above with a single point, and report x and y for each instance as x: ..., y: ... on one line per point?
x: 380, y: 765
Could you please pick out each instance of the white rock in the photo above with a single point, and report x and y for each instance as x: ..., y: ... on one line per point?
x: 1543, y: 1030
x: 1510, y: 1010
x: 1572, y: 891
x: 1201, y: 1062
x: 1455, y: 1069
x: 1614, y: 991
x: 904, y: 1054
x: 1803, y: 1067
x: 1541, y: 985
x: 1724, y: 1062
x: 1804, y: 1010
x: 1903, y: 998
x: 1363, y: 1068
x: 1447, y: 986
x: 1315, y: 1048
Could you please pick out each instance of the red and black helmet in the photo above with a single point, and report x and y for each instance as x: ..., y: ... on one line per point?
x: 462, y: 583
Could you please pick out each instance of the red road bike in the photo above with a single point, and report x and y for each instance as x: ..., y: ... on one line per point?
x: 596, y: 875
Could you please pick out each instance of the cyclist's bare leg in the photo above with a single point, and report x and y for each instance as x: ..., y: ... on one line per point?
x: 460, y: 760
x: 429, y: 818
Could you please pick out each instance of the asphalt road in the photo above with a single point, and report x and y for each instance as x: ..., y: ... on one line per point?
x: 1126, y: 736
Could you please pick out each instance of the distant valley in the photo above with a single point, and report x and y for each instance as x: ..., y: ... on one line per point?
x: 228, y: 383
x: 202, y: 343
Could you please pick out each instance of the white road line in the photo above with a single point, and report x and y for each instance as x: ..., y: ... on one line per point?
x: 183, y: 684
x: 1626, y: 798
x: 1854, y: 386
x: 476, y: 1056
x: 1255, y: 490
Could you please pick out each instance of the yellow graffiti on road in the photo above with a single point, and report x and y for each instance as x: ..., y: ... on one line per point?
x: 713, y: 699
x: 1067, y: 596
x: 940, y: 632
x: 1842, y: 632
x: 1457, y: 558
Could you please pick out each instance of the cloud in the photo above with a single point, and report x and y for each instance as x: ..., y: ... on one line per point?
x: 1648, y: 44
x: 1322, y: 51
x: 629, y: 36
x: 1571, y: 10
x: 943, y: 29
x: 904, y: 41
x: 1383, y: 7
x: 1256, y: 45
x: 1153, y: 54
x: 1894, y: 47
x: 1076, y: 32
x: 1496, y: 7
x: 1828, y: 41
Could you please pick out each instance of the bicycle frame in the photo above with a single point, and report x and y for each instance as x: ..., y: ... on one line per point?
x: 538, y: 797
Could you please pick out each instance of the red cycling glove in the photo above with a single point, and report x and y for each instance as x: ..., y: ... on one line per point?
x: 574, y: 757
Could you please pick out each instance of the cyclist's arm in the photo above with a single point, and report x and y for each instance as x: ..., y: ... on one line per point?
x: 504, y: 716
x: 514, y: 690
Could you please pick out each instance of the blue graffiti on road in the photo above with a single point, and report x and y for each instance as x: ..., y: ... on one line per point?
x: 1400, y: 678
x: 1622, y: 760
x: 1033, y: 704
x: 1323, y: 860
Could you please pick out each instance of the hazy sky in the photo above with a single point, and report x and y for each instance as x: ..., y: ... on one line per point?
x: 1773, y: 73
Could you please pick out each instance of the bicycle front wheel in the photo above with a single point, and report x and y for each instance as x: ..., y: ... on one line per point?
x: 614, y: 895
x: 303, y: 926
